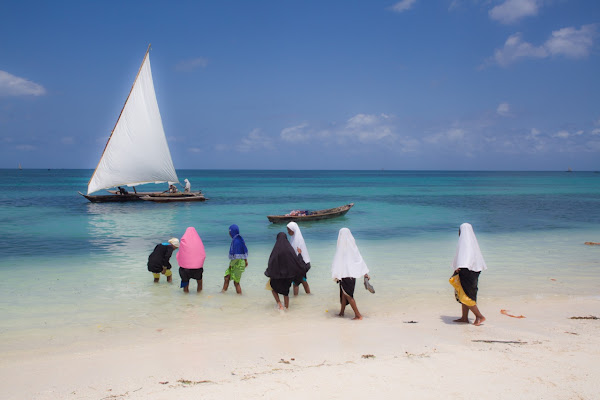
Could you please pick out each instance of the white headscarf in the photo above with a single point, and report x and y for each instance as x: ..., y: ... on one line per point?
x: 188, y: 186
x: 297, y: 240
x: 347, y: 262
x: 468, y: 254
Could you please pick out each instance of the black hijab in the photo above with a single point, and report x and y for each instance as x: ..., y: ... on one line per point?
x: 283, y: 262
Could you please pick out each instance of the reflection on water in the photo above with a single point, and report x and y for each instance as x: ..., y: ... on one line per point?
x: 118, y: 228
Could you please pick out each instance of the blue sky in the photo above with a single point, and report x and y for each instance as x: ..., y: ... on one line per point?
x: 412, y: 84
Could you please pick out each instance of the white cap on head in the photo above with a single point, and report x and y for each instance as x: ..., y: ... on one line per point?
x: 174, y: 242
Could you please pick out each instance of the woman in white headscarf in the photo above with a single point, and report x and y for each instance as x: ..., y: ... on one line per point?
x: 297, y: 242
x: 348, y: 265
x: 468, y: 264
x: 188, y: 186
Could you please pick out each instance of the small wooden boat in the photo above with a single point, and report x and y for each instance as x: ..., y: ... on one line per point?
x: 313, y: 216
x: 173, y: 197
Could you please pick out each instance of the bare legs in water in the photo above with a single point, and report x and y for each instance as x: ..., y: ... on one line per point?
x: 304, y: 285
x: 238, y: 288
x: 187, y: 288
x: 164, y: 271
x: 286, y: 300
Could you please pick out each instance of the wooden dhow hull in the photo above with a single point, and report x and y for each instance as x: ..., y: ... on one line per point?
x: 315, y: 216
x: 157, y: 197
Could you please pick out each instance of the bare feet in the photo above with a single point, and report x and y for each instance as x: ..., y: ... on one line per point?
x: 280, y: 306
x: 463, y: 320
x: 341, y: 314
x: 479, y: 321
x: 359, y: 317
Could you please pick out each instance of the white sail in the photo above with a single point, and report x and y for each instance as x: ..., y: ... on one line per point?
x: 137, y: 151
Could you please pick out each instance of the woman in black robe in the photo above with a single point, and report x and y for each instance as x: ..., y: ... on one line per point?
x: 284, y: 265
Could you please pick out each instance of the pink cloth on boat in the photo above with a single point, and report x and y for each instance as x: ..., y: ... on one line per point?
x: 191, y: 254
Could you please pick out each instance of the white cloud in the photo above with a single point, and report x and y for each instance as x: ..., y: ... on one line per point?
x: 25, y: 147
x: 454, y: 4
x: 568, y: 42
x: 11, y: 85
x: 367, y: 128
x: 562, y: 134
x: 515, y: 48
x: 596, y: 131
x: 195, y: 150
x: 534, y: 133
x: 403, y: 5
x: 503, y: 109
x: 190, y: 65
x: 512, y: 10
x: 571, y: 42
x: 361, y: 128
x: 455, y: 134
x: 296, y: 134
x: 67, y: 140
x: 254, y: 141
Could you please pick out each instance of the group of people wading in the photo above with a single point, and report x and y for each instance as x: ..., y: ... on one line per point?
x: 289, y: 263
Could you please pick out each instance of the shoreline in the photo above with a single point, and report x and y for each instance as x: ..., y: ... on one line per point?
x: 545, y: 355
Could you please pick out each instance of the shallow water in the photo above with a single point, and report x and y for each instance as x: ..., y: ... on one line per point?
x: 76, y: 267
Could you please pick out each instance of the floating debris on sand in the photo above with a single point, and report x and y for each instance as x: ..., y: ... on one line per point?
x: 500, y: 341
x: 505, y: 312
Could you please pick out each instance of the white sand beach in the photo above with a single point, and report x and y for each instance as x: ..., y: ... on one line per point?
x: 401, y: 352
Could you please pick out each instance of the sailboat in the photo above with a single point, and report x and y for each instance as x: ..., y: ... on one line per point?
x: 20, y: 166
x: 137, y: 151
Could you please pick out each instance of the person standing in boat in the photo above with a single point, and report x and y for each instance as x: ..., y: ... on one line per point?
x: 299, y: 246
x: 467, y: 264
x: 158, y: 260
x: 191, y: 256
x: 348, y: 265
x: 188, y: 186
x: 238, y: 256
x: 284, y: 265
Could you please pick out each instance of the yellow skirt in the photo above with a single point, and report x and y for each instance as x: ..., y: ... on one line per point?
x: 460, y: 293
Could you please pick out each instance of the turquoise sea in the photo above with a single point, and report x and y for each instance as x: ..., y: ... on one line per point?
x: 72, y: 266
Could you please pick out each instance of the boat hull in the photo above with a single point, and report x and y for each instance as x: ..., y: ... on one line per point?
x: 316, y: 216
x: 174, y: 199
x: 157, y: 197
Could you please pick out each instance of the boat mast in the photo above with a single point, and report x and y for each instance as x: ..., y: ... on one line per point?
x: 121, y: 113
